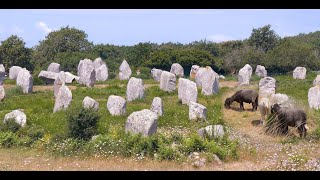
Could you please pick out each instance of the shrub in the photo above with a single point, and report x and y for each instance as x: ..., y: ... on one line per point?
x: 82, y: 122
x: 10, y: 125
x: 8, y: 139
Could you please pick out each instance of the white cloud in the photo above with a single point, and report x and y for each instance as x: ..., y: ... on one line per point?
x: 219, y: 38
x: 44, y: 27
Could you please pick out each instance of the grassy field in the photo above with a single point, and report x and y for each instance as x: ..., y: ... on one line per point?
x: 176, y: 136
x: 173, y: 127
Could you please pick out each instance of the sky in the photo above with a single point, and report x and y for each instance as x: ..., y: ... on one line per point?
x: 131, y: 26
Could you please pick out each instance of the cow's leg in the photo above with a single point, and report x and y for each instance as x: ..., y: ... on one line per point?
x: 302, y: 131
x: 241, y: 106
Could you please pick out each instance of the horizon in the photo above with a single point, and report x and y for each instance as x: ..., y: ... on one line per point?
x: 128, y: 27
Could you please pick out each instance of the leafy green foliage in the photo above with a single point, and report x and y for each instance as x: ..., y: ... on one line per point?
x: 82, y: 122
x: 264, y: 38
x: 14, y: 53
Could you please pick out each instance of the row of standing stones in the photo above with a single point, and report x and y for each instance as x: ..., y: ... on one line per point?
x: 141, y: 121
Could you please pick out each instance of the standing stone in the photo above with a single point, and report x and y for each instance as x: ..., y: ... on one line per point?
x: 63, y: 99
x: 197, y: 111
x: 102, y: 73
x: 86, y: 73
x: 167, y: 81
x: 25, y: 81
x: 13, y: 72
x: 2, y: 69
x: 125, y: 71
x: 316, y: 81
x: 282, y: 99
x: 200, y: 80
x: 261, y: 71
x: 156, y: 74
x: 116, y: 105
x: 48, y: 77
x: 70, y: 77
x: 98, y: 62
x: 18, y: 116
x: 212, y: 132
x: 299, y: 73
x: 144, y: 122
x: 193, y: 71
x: 177, y: 69
x: 54, y: 67
x: 245, y: 75
x: 2, y: 74
x: 157, y: 106
x: 187, y: 91
x: 58, y: 82
x: 267, y: 86
x: 314, y: 97
x: 2, y: 93
x: 88, y: 102
x: 135, y: 89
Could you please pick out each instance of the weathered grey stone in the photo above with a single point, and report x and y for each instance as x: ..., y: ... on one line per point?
x: 314, y: 97
x: 88, y: 102
x: 177, y: 69
x: 18, y: 116
x: 299, y: 73
x: 187, y: 91
x: 197, y: 111
x: 316, y: 81
x: 102, y: 73
x: 70, y: 77
x: 54, y: 67
x: 63, y: 99
x: 157, y: 106
x: 193, y: 71
x: 222, y: 77
x: 13, y: 72
x: 58, y: 82
x: 167, y: 81
x: 245, y: 75
x: 2, y: 69
x: 261, y: 71
x: 211, y: 132
x: 156, y: 74
x: 204, y: 71
x: 282, y: 99
x: 116, y: 105
x: 86, y: 73
x: 210, y: 84
x: 25, y: 81
x: 144, y: 122
x: 98, y: 62
x: 48, y: 77
x: 135, y: 89
x: 267, y: 86
x: 2, y: 74
x: 2, y: 93
x: 125, y: 70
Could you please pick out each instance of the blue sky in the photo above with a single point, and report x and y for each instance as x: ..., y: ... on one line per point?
x: 131, y: 26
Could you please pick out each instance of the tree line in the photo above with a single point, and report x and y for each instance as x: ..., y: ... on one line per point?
x: 69, y: 45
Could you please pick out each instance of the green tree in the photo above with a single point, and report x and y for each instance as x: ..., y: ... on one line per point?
x: 264, y: 38
x: 290, y: 54
x: 65, y: 40
x: 14, y: 53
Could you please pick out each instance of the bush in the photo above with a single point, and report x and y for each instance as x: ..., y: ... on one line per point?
x: 11, y: 125
x: 82, y: 122
x: 8, y: 139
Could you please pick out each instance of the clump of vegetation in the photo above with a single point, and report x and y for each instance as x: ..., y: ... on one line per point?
x: 14, y: 91
x: 10, y: 125
x: 82, y: 122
